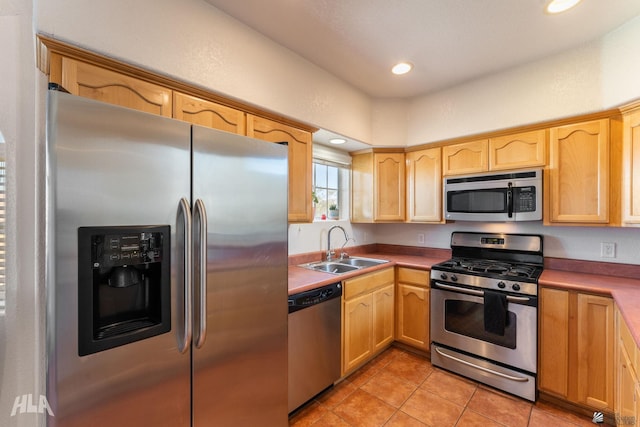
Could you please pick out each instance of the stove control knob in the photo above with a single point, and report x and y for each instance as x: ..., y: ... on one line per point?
x: 515, y: 287
x: 454, y: 278
x: 443, y: 276
x: 501, y: 285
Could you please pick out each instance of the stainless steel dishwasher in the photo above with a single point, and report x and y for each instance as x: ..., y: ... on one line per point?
x: 314, y: 342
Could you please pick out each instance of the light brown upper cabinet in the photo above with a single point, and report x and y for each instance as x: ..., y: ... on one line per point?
x: 207, y: 113
x: 521, y: 150
x: 581, y: 188
x: 424, y: 185
x: 465, y: 158
x: 90, y: 81
x: 631, y: 169
x: 378, y: 186
x: 514, y: 151
x: 300, y: 166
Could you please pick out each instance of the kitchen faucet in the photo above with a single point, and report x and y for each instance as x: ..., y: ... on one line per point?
x: 331, y: 253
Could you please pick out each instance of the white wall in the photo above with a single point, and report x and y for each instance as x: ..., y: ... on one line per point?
x: 194, y: 42
x: 559, y: 242
x: 597, y: 76
x: 21, y: 326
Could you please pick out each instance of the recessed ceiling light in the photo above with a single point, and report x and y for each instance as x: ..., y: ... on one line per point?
x: 337, y: 141
x: 401, y: 68
x: 557, y: 6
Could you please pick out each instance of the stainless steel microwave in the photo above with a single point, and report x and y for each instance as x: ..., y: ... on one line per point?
x: 494, y: 196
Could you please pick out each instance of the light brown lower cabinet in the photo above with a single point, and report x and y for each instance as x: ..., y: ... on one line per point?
x: 577, y: 348
x: 412, y: 308
x: 627, y: 385
x: 367, y: 316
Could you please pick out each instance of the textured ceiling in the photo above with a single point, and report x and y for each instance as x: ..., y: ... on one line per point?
x: 448, y: 41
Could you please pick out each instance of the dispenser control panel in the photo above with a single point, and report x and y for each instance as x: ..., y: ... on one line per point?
x: 111, y: 250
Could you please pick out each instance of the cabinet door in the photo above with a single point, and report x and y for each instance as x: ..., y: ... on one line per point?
x: 526, y: 149
x: 631, y: 169
x: 424, y: 185
x: 554, y: 341
x: 383, y: 311
x: 299, y: 142
x: 357, y: 334
x: 93, y: 82
x: 579, y: 173
x: 413, y: 316
x: 468, y: 157
x: 389, y: 186
x: 207, y: 113
x: 636, y: 398
x: 595, y: 351
x: 626, y: 388
x: 362, y: 187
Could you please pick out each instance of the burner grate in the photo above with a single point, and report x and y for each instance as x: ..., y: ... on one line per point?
x: 490, y: 267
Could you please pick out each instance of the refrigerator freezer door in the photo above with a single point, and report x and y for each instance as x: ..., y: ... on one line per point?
x: 110, y: 166
x: 240, y: 371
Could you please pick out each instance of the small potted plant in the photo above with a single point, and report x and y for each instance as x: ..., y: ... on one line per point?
x: 314, y: 199
x: 333, y: 211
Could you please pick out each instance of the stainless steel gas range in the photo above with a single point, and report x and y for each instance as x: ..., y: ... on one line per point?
x: 484, y: 310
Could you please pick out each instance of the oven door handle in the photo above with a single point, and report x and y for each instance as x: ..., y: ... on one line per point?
x: 474, y: 292
x: 460, y: 290
x: 482, y: 368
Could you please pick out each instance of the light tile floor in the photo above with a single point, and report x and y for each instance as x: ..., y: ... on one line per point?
x: 399, y: 388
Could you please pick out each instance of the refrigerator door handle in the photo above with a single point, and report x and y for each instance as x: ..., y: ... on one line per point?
x: 185, y: 213
x: 200, y: 221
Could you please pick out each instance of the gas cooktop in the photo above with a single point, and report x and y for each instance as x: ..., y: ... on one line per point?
x: 491, y: 268
x: 503, y: 262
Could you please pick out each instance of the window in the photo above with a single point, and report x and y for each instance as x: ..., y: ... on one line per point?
x: 331, y: 183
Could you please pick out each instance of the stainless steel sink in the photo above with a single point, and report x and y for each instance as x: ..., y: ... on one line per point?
x: 342, y: 266
x: 333, y: 267
x: 361, y: 262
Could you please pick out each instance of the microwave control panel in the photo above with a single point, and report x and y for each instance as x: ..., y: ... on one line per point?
x: 525, y: 199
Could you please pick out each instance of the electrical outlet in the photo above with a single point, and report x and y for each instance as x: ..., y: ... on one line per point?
x: 365, y: 237
x: 607, y: 250
x: 421, y: 238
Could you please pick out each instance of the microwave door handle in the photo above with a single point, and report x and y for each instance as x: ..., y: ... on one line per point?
x: 510, y: 200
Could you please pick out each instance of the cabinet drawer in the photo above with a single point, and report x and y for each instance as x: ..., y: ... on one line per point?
x: 628, y: 343
x: 367, y: 283
x: 415, y: 277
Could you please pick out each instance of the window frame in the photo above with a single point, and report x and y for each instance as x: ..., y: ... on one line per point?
x: 327, y: 157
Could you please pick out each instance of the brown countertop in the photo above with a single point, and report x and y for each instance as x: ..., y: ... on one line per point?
x: 303, y: 279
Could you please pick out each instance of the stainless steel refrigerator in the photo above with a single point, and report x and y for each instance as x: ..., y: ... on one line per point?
x: 166, y: 272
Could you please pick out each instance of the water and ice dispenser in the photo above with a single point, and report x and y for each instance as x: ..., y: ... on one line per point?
x: 124, y: 285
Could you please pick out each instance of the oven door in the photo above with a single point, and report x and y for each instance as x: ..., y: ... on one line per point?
x: 457, y: 321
